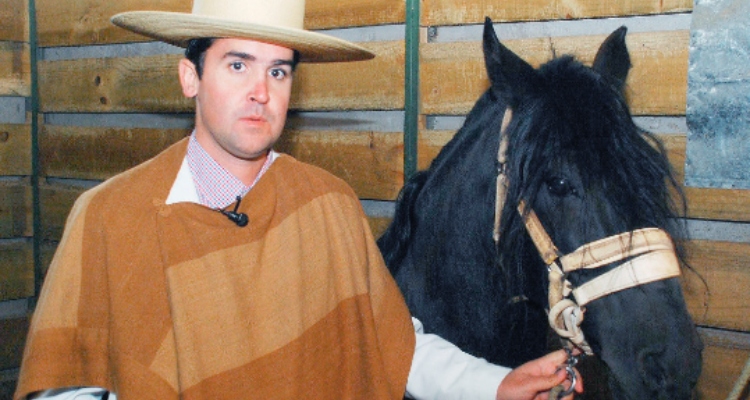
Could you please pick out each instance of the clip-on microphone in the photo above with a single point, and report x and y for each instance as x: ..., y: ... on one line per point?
x: 240, y: 219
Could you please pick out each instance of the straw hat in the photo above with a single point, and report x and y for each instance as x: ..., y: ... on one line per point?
x: 278, y: 22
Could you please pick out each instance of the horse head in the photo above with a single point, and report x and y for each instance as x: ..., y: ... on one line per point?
x: 575, y: 159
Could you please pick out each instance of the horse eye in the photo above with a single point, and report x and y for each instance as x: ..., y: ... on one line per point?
x: 560, y: 187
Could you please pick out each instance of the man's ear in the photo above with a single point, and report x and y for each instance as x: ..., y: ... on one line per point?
x: 188, y: 78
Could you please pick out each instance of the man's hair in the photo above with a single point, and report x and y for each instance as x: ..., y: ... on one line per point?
x: 196, y: 53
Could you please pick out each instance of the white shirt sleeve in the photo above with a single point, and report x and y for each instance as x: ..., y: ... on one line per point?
x: 83, y: 393
x: 440, y: 370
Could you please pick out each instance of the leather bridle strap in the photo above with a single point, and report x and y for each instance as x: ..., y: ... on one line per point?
x: 653, y: 259
x: 648, y: 253
x: 502, y: 176
x: 608, y: 250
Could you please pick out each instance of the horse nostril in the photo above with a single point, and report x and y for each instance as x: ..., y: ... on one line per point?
x: 652, y: 372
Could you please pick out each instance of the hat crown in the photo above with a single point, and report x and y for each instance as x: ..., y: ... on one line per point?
x: 278, y: 13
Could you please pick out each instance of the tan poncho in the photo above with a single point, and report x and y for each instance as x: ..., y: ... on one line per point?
x: 155, y: 301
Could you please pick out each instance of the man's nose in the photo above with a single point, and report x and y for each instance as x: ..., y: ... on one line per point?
x: 259, y: 91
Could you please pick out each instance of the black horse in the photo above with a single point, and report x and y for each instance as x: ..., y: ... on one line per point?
x: 574, y: 156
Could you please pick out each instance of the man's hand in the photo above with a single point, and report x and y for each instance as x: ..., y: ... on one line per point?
x: 534, y: 380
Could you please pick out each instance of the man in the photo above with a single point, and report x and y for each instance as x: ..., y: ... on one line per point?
x: 154, y: 294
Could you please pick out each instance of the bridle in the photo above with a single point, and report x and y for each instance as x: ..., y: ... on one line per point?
x: 647, y: 255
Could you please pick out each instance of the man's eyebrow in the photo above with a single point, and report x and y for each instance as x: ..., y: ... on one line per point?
x: 250, y: 57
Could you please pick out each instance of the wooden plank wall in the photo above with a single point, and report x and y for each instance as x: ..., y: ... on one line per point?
x: 99, y: 80
x: 16, y: 247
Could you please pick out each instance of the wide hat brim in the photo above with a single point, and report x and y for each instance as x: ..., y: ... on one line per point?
x: 178, y: 28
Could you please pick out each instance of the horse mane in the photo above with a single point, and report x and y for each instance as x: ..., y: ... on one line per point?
x: 392, y: 242
x: 482, y: 117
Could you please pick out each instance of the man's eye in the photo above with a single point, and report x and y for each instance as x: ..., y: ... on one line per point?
x: 278, y: 73
x: 237, y: 66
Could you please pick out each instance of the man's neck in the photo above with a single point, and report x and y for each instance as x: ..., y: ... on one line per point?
x: 246, y: 170
x: 216, y: 185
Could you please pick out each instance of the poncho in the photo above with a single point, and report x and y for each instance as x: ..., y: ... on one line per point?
x: 156, y: 301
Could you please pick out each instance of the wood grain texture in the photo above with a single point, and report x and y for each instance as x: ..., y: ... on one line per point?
x: 14, y: 337
x: 724, y: 356
x: 15, y: 70
x: 134, y: 84
x: 17, y: 269
x: 719, y: 204
x: 322, y: 14
x: 15, y: 150
x: 716, y: 292
x: 370, y: 162
x: 15, y: 210
x: 456, y: 12
x: 98, y: 152
x: 55, y: 203
x: 85, y: 22
x: 150, y: 84
x: 376, y: 84
x: 453, y: 75
x: 14, y: 20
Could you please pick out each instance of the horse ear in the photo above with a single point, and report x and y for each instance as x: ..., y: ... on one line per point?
x: 511, y: 76
x: 612, y: 59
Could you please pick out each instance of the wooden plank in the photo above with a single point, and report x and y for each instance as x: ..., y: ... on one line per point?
x: 17, y: 269
x: 15, y: 210
x: 376, y: 84
x: 719, y: 204
x: 716, y: 291
x: 453, y: 74
x: 724, y: 355
x: 456, y: 12
x: 55, y: 204
x: 15, y: 70
x: 14, y: 20
x: 370, y: 162
x: 81, y: 22
x: 14, y: 337
x: 150, y: 84
x: 321, y: 14
x: 15, y: 150
x: 136, y: 84
x: 100, y: 152
x: 86, y: 22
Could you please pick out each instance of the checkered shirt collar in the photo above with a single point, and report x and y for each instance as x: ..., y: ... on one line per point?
x: 216, y: 187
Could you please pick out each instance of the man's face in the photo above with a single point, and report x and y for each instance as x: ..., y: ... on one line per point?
x: 241, y: 100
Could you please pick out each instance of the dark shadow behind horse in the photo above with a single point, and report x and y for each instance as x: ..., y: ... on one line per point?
x: 575, y: 155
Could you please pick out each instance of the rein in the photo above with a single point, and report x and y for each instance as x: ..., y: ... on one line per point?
x: 648, y: 255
